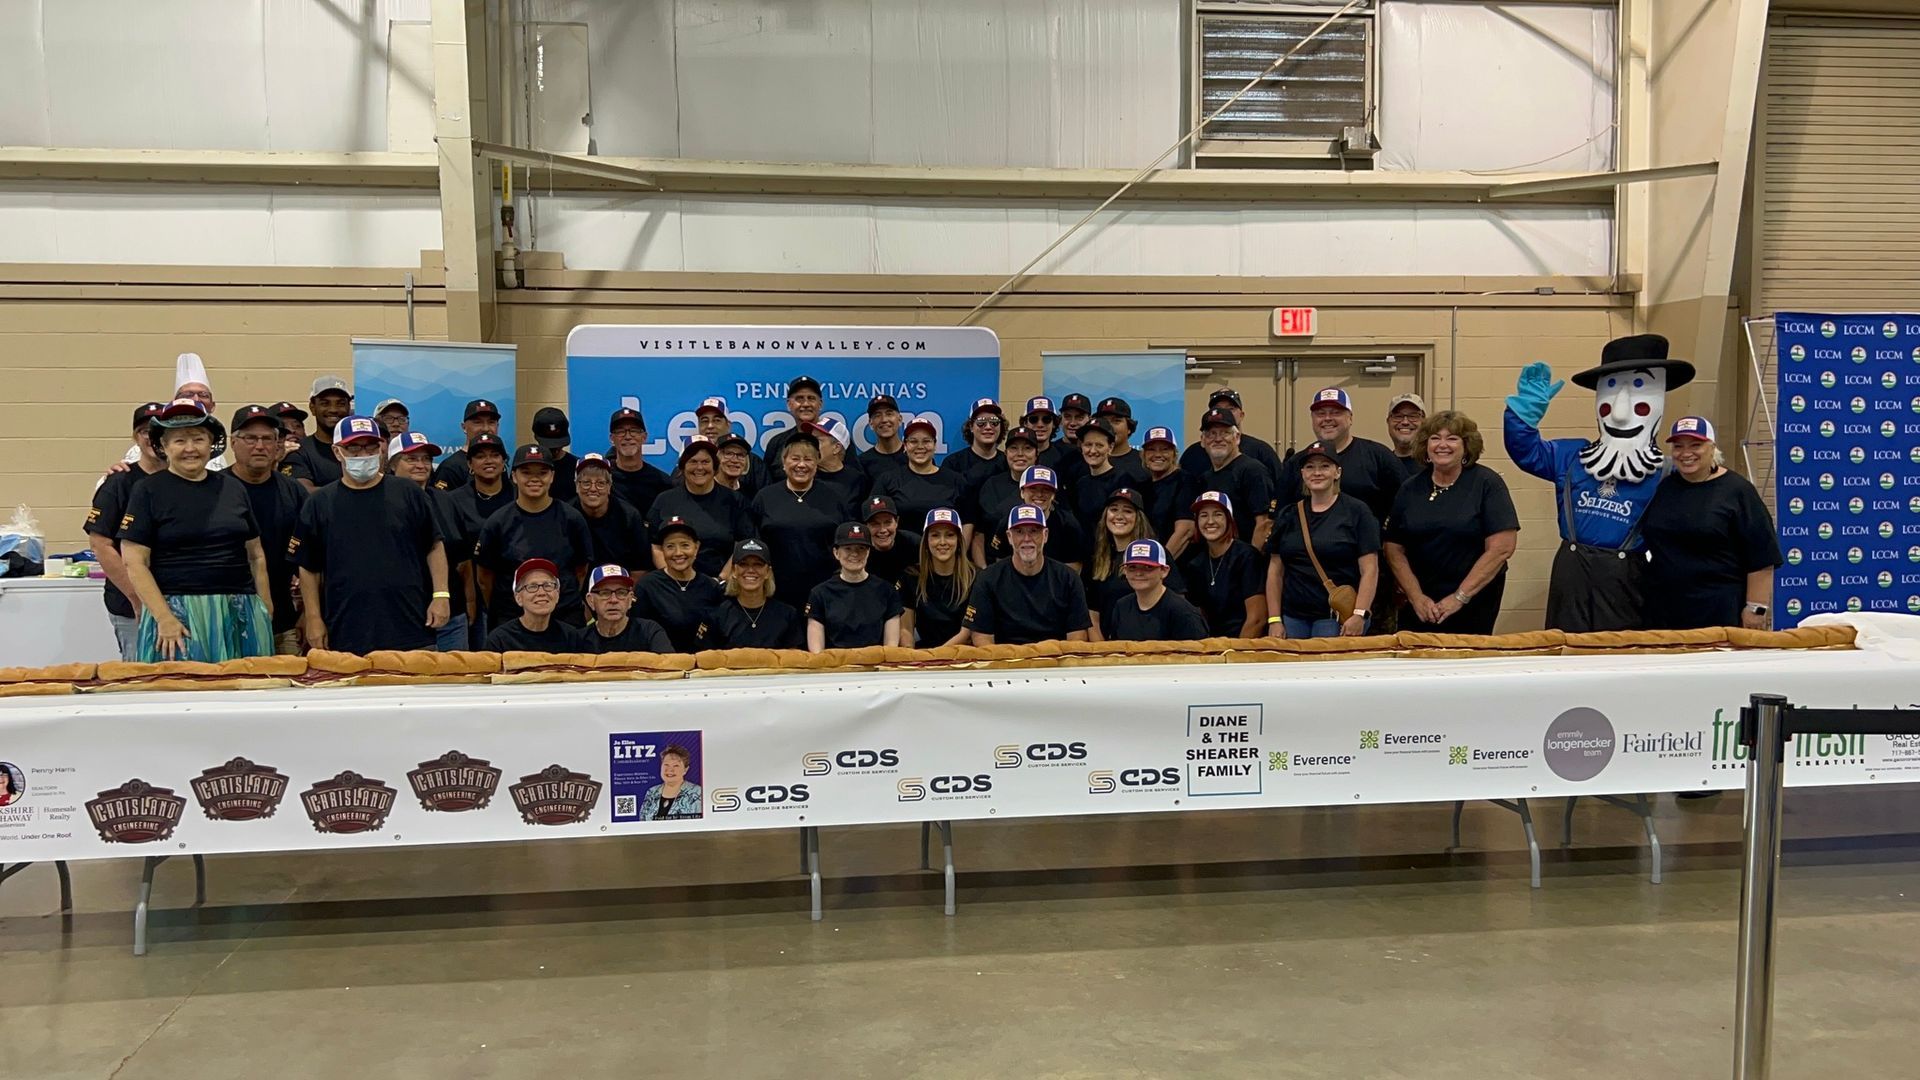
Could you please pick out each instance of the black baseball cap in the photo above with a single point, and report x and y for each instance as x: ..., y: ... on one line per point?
x: 1103, y: 428
x: 694, y: 446
x: 852, y: 534
x: 1127, y: 495
x: 1218, y: 418
x: 144, y: 415
x: 593, y: 461
x: 732, y: 437
x: 1115, y: 406
x: 1076, y: 401
x: 1025, y: 435
x: 624, y: 415
x: 247, y: 414
x: 750, y: 548
x: 1227, y: 394
x: 479, y: 407
x: 1318, y: 449
x: 804, y: 382
x: 531, y: 454
x: 878, y: 505
x: 675, y: 524
x: 550, y: 430
x: 285, y: 409
x: 882, y: 402
x: 486, y: 440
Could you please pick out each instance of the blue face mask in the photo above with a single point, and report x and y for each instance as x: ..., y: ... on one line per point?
x: 363, y: 469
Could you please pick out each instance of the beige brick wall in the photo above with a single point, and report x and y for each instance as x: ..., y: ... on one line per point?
x: 83, y: 345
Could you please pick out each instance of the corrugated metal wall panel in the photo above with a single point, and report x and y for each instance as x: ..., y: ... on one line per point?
x: 1840, y: 216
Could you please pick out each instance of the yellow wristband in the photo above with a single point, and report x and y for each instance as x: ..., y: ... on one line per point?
x: 443, y: 596
x: 1271, y: 619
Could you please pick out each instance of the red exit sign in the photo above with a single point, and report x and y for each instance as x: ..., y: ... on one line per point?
x: 1295, y: 321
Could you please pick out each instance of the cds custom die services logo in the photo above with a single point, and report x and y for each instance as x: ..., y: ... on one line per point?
x: 951, y: 787
x: 1133, y: 781
x: 239, y: 791
x: 856, y: 761
x: 136, y: 812
x: 726, y: 800
x: 1040, y: 754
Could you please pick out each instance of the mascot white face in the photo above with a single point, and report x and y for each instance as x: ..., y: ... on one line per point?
x: 1629, y: 405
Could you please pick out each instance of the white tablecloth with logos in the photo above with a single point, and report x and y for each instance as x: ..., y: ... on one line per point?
x: 54, y: 621
x: 165, y: 773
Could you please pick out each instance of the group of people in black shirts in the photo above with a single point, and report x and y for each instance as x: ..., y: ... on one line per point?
x: 1051, y: 525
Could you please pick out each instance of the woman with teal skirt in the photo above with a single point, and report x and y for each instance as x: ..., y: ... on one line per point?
x: 192, y: 548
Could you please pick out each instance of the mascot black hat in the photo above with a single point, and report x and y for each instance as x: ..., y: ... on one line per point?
x: 1640, y: 352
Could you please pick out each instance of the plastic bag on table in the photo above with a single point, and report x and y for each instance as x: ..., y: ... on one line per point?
x: 23, y: 551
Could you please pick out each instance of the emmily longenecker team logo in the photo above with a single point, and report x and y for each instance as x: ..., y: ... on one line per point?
x: 348, y: 803
x: 136, y: 812
x: 555, y: 796
x: 454, y: 782
x: 239, y: 791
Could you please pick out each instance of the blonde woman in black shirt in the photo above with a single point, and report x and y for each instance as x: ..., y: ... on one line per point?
x: 935, y: 594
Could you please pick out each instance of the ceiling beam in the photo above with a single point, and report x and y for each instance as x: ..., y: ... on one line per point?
x: 1601, y: 181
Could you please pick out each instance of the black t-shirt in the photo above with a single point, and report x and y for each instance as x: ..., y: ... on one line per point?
x: 913, y: 494
x: 1409, y: 466
x: 1170, y: 501
x: 855, y: 614
x: 678, y: 606
x: 893, y: 564
x: 1368, y: 472
x: 477, y: 508
x: 454, y: 471
x: 620, y: 536
x: 974, y: 470
x: 1342, y: 533
x: 197, y: 530
x: 1104, y: 593
x: 1445, y: 534
x: 313, y: 462
x: 514, y: 535
x: 937, y: 609
x: 640, y: 635
x: 798, y: 530
x: 370, y: 546
x: 1194, y: 458
x: 877, y: 462
x: 1220, y: 587
x: 996, y: 496
x: 1703, y: 539
x: 1172, y: 618
x: 459, y: 531
x: 558, y: 637
x: 1090, y: 492
x: 1248, y: 485
x: 639, y: 487
x: 719, y: 518
x: 103, y: 519
x: 851, y: 480
x: 1066, y: 540
x: 1057, y: 454
x: 774, y: 625
x: 566, y: 468
x: 1020, y: 610
x: 276, y: 510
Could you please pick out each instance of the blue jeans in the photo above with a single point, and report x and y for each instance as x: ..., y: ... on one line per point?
x: 1306, y: 628
x: 126, y: 632
x: 453, y: 636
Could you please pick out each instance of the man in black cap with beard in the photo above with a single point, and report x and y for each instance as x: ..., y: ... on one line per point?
x: 276, y: 500
x: 804, y: 402
x: 482, y: 417
x: 636, y: 482
x: 1195, y: 460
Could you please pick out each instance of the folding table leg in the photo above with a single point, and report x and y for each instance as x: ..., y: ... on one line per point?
x: 813, y: 867
x: 199, y: 881
x: 1459, y: 807
x: 66, y: 885
x: 1566, y: 826
x: 946, y: 849
x: 1519, y: 806
x: 926, y: 830
x: 147, y: 867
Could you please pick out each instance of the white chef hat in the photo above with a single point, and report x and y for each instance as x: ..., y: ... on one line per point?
x: 188, y: 368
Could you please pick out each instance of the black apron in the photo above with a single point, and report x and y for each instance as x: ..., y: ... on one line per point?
x: 1594, y: 588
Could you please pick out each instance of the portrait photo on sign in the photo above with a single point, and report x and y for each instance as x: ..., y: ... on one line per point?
x: 656, y: 775
x: 13, y: 783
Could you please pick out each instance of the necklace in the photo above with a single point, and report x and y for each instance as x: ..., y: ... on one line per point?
x: 754, y: 615
x: 1213, y: 568
x: 1441, y: 489
x: 684, y: 585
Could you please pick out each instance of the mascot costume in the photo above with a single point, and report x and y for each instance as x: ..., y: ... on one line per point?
x: 1602, y: 486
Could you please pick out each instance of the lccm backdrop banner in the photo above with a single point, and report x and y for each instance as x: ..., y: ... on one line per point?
x: 665, y: 372
x: 1847, y: 464
x: 244, y: 771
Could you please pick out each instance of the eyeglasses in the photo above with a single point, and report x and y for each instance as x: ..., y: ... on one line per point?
x: 614, y: 594
x: 259, y: 440
x: 538, y: 587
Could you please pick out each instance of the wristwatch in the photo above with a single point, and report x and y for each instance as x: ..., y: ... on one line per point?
x: 1757, y: 609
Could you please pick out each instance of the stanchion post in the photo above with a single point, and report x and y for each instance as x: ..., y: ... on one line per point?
x: 1761, y: 726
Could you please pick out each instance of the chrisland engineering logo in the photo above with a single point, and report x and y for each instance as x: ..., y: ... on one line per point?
x: 454, y: 782
x: 136, y: 812
x: 239, y: 791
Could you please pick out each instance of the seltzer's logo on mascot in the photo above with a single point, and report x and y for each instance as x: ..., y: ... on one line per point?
x: 1602, y: 485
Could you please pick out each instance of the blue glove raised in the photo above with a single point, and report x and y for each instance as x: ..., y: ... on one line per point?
x: 1533, y: 393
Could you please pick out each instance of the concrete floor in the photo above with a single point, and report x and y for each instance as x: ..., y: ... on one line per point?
x: 1271, y: 944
